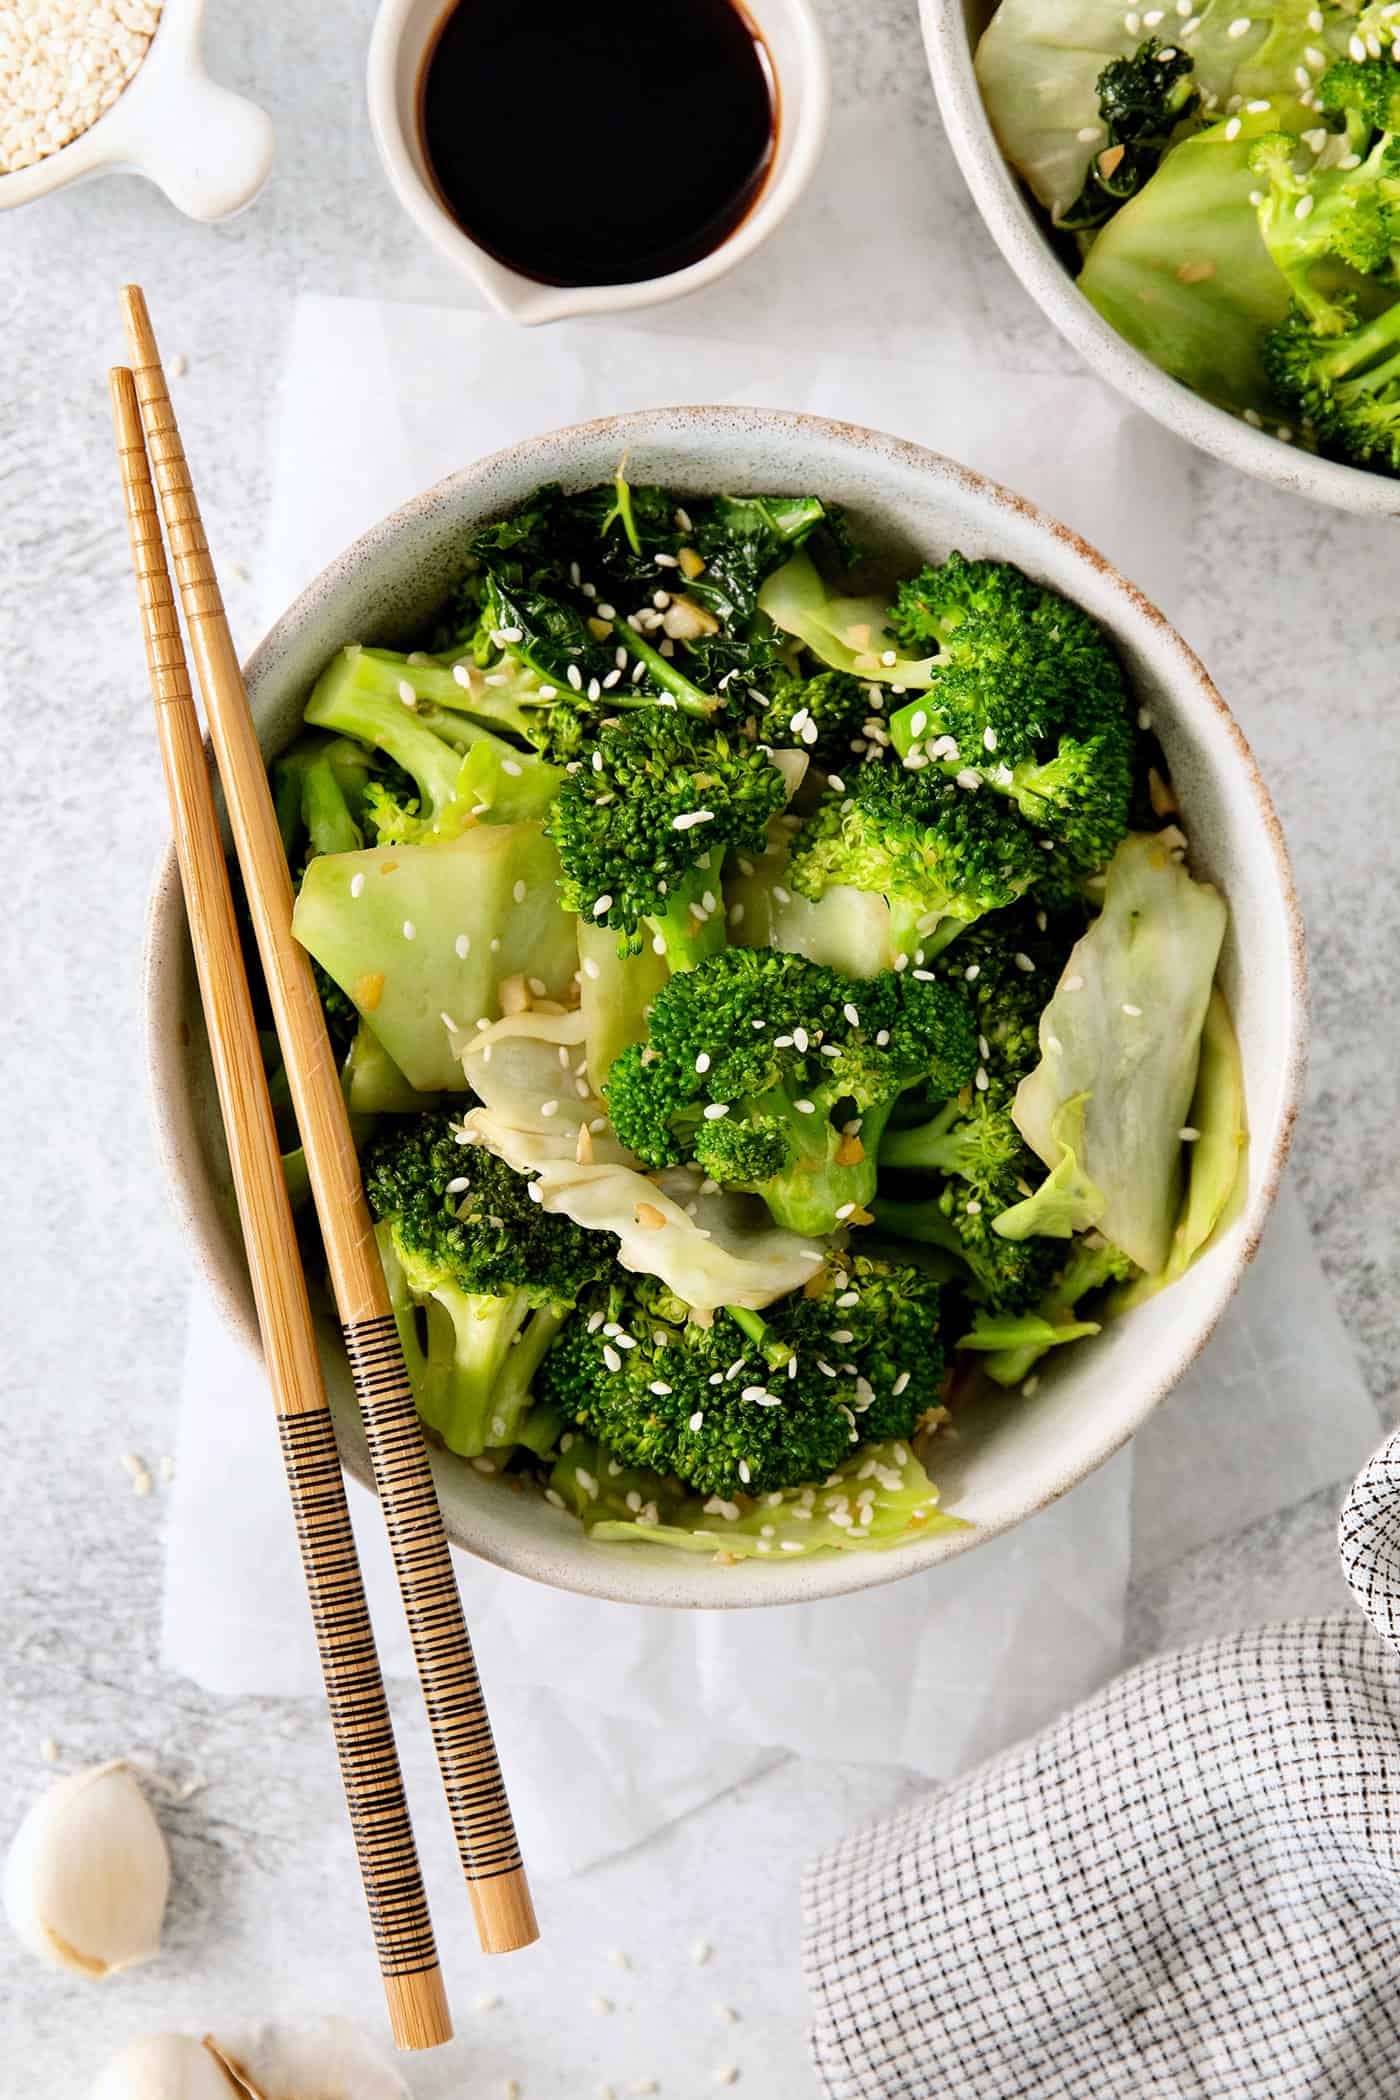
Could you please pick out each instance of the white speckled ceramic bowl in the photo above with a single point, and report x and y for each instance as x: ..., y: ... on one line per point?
x: 951, y: 30
x: 1013, y: 1456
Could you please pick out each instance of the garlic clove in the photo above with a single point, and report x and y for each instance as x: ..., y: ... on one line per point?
x: 328, y: 2059
x: 165, y: 2067
x: 88, y: 1874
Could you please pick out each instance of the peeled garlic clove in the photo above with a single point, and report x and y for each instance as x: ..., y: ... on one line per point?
x: 88, y: 1874
x: 327, y: 2060
x: 165, y: 2067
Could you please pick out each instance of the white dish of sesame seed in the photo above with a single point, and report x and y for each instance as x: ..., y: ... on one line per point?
x: 85, y: 89
x: 1259, y: 432
x: 1016, y: 1451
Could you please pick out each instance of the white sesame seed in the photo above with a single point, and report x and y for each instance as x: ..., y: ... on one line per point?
x: 409, y: 929
x: 1073, y: 984
x: 702, y: 1061
x: 805, y: 1108
x: 549, y: 1108
x: 1303, y: 207
x: 1023, y: 962
x: 600, y: 2005
x: 1239, y: 27
x: 1134, y: 1013
x: 980, y: 1080
x: 715, y: 1109
x: 691, y: 817
x: 1232, y: 129
x: 601, y: 905
x: 485, y: 2001
x: 357, y: 883
x: 744, y: 1473
x: 968, y: 779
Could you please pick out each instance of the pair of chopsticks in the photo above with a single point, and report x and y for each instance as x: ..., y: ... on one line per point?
x: 149, y: 445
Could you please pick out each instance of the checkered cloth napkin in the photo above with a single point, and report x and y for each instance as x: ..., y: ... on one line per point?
x: 1190, y: 1886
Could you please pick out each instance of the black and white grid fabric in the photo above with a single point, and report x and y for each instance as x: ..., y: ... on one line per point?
x: 1369, y: 1537
x: 1189, y: 1886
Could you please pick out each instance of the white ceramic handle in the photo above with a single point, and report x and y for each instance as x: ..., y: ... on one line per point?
x: 211, y: 151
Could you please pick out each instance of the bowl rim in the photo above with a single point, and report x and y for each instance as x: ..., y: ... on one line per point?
x: 804, y: 105
x: 658, y: 1579
x: 1012, y: 219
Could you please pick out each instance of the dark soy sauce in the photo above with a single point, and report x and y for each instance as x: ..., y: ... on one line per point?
x: 598, y: 141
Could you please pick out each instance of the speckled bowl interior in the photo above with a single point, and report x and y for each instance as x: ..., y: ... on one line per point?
x: 1013, y: 1455
x: 951, y: 30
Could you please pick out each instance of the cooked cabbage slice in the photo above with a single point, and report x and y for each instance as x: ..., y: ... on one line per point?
x: 632, y: 1506
x: 1039, y: 61
x: 847, y: 633
x: 1218, y: 1113
x: 1124, y: 1028
x: 711, y: 1249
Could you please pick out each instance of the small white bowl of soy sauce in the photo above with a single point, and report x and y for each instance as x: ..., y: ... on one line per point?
x: 590, y: 156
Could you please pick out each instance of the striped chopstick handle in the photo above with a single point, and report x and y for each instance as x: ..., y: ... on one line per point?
x: 452, y: 1692
x: 457, y: 1716
x: 364, y: 1734
x: 363, y: 1730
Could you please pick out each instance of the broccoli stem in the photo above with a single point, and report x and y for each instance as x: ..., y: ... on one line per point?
x: 928, y: 1144
x: 1360, y: 345
x: 922, y: 1222
x: 479, y: 1375
x: 357, y: 704
x: 690, y: 933
x: 326, y: 811
x: 359, y: 674
x: 911, y: 933
x: 622, y: 511
x: 310, y: 784
x: 810, y: 1195
x: 776, y: 1354
x: 688, y: 697
x: 1089, y: 1269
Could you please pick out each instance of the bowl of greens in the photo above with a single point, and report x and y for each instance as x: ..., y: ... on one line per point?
x: 818, y: 989
x: 1200, y: 200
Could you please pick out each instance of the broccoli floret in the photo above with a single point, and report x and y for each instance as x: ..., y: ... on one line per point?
x: 1016, y: 763
x: 754, y: 1402
x: 318, y: 788
x: 1347, y: 386
x: 940, y: 854
x: 1364, y: 89
x: 825, y: 716
x: 1346, y: 213
x: 1027, y: 699
x: 876, y: 1321
x: 642, y: 829
x: 970, y: 1150
x: 482, y: 1279
x: 1015, y: 1347
x: 1142, y: 100
x: 778, y: 1076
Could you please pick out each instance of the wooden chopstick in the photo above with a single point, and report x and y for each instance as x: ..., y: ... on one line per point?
x: 461, y: 1730
x: 364, y: 1735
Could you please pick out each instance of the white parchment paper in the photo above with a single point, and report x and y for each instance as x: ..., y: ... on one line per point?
x: 654, y: 1713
